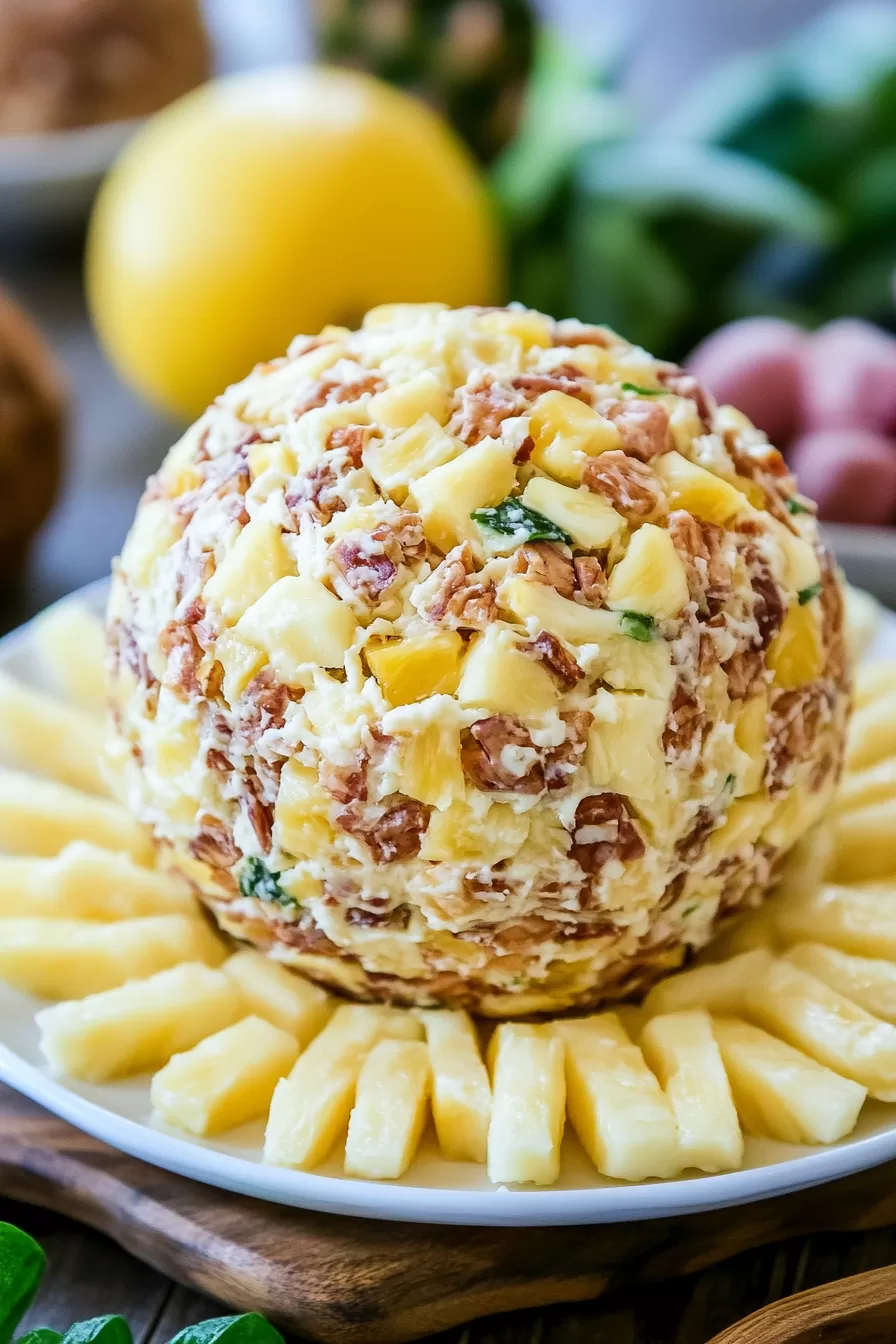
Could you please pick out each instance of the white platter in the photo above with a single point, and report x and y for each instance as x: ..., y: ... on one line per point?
x: 433, y: 1191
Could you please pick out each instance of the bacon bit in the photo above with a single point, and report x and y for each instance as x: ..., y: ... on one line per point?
x: 394, y: 835
x: 215, y: 759
x: 769, y: 607
x: 683, y: 384
x: 213, y: 843
x: 525, y: 450
x: 330, y: 389
x: 565, y: 378
x: 570, y: 333
x: 482, y: 756
x: 793, y: 725
x: 685, y: 724
x: 484, y: 406
x: 710, y: 580
x: 316, y: 494
x: 259, y: 812
x: 547, y: 648
x: 616, y: 835
x: 265, y: 700
x: 744, y: 670
x: 368, y: 572
x: 541, y: 561
x: 458, y: 600
x: 644, y: 426
x: 179, y: 645
x: 690, y: 846
x: 350, y: 439
x: 346, y: 783
x: 591, y: 581
x: 561, y: 763
x: 627, y: 483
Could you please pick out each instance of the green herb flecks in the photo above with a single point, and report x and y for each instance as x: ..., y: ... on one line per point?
x: 637, y: 626
x: 644, y: 391
x: 257, y: 880
x: 690, y: 910
x: 806, y: 594
x: 730, y: 781
x: 795, y: 506
x: 512, y: 518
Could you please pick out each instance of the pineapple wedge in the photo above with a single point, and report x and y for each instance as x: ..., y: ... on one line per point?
x: 528, y: 1106
x: 796, y: 654
x: 71, y: 958
x: 874, y: 681
x: 415, y: 668
x: 85, y: 882
x: 500, y: 677
x: 566, y: 434
x: 461, y: 1095
x: 225, y: 1080
x: 872, y: 735
x: 855, y: 919
x: 298, y: 621
x: 138, y: 1026
x: 49, y: 737
x: 542, y: 608
x: 403, y: 406
x: 446, y: 497
x: 689, y: 486
x: 590, y: 521
x: 867, y: 981
x: 281, y: 997
x: 255, y: 561
x: 875, y: 784
x: 71, y: 643
x: 780, y: 1092
x: 650, y: 578
x: 865, y: 843
x: 40, y: 817
x: 390, y: 1111
x: 811, y: 1016
x: 301, y: 825
x: 625, y: 754
x: 617, y: 1108
x: 682, y: 1051
x: 719, y: 988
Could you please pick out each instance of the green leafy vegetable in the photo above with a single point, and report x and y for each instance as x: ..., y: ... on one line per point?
x: 514, y: 519
x: 257, y: 880
x: 644, y: 391
x: 248, y: 1329
x: 637, y: 626
x: 793, y: 505
x: 42, y: 1335
x: 21, y: 1268
x: 806, y: 594
x: 99, y: 1330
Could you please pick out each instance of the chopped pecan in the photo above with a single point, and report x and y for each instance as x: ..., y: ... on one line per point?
x: 364, y: 566
x: 566, y: 378
x: 525, y: 450
x: 216, y: 760
x: 264, y: 704
x: 686, y: 385
x: 362, y: 918
x: 350, y: 439
x: 745, y: 671
x: 644, y: 426
x: 571, y: 333
x: 794, y: 721
x: 498, y: 755
x: 179, y: 644
x: 542, y: 561
x: 547, y: 648
x: 394, y: 834
x: 316, y: 493
x: 459, y: 599
x: 710, y: 580
x: 484, y: 406
x: 213, y: 842
x: 769, y: 607
x: 833, y: 621
x: 330, y: 389
x: 591, y: 581
x: 690, y: 846
x: 259, y: 812
x: 765, y: 465
x: 561, y: 763
x: 628, y: 484
x: 685, y: 724
x: 604, y: 830
x: 346, y: 783
x: 402, y: 536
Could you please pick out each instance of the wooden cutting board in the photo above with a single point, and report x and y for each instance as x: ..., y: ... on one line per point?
x: 354, y: 1281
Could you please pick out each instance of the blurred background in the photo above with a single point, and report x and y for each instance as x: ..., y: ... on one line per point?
x: 715, y: 180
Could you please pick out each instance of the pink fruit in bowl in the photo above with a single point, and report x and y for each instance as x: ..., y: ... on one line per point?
x: 849, y: 378
x: 757, y: 365
x: 850, y: 472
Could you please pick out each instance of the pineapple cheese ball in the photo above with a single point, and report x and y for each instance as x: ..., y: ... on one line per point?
x: 476, y: 658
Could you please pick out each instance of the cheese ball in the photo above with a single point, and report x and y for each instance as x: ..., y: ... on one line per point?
x: 476, y: 658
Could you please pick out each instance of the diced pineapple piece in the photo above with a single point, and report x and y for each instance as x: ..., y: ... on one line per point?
x: 71, y: 643
x: 811, y: 1016
x: 625, y: 754
x: 874, y: 681
x: 684, y: 1055
x: 255, y: 561
x: 718, y: 988
x: 271, y: 455
x: 280, y: 996
x: 629, y: 664
x: 750, y: 735
x: 240, y: 661
x: 299, y: 621
x: 650, y: 578
x: 301, y: 813
x: 616, y: 1106
x: 154, y: 531
x: 85, y: 882
x: 396, y: 463
x: 390, y: 1111
x: 138, y: 1026
x: 855, y: 919
x: 431, y: 769
x: 865, y: 843
x: 567, y: 432
x: 799, y: 566
x: 528, y: 327
x: 415, y: 668
x: 796, y: 654
x: 40, y: 817
x: 869, y: 982
x: 874, y: 784
x: 70, y: 958
x: 401, y: 406
x: 780, y: 1092
x: 547, y: 610
x: 225, y: 1080
x: 174, y: 747
x: 386, y: 315
x: 461, y: 1095
x: 499, y: 676
x: 310, y: 1108
x: 447, y: 496
x: 461, y: 834
x: 46, y: 735
x: 744, y: 822
x: 528, y: 1107
x: 872, y: 734
x: 755, y: 930
x: 589, y: 519
x: 689, y: 486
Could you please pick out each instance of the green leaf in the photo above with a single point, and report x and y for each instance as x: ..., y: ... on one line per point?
x: 644, y: 391
x: 248, y: 1329
x: 257, y: 880
x: 22, y: 1264
x: 806, y: 594
x: 42, y: 1335
x: 637, y: 626
x: 99, y: 1330
x: 840, y: 56
x: 794, y: 505
x: 512, y: 518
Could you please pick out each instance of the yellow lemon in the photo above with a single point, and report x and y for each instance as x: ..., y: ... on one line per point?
x: 273, y: 203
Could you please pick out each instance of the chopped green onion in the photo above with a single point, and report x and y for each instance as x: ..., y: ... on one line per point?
x: 793, y: 505
x: 637, y: 626
x: 806, y: 594
x: 689, y: 910
x: 513, y: 518
x: 730, y: 781
x: 257, y: 880
x: 644, y: 391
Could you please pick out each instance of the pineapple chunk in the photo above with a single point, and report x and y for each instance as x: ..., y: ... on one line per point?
x: 390, y: 1111
x: 431, y: 769
x: 566, y: 432
x: 415, y: 668
x: 386, y: 315
x: 780, y: 1092
x: 499, y: 676
x: 589, y: 520
x: 865, y: 843
x: 271, y: 455
x: 628, y: 664
x: 301, y: 813
x: 240, y: 662
x: 85, y: 882
x: 280, y: 996
x: 396, y: 463
x: 225, y: 1080
x: 689, y: 486
x: 49, y: 737
x: 71, y: 644
x: 528, y: 1107
x: 872, y: 734
x: 854, y: 919
x: 447, y: 496
x: 138, y: 1026
x: 682, y: 1051
x: 616, y: 1106
x: 875, y: 784
x: 41, y: 817
x: 625, y: 754
x: 744, y: 822
x: 796, y: 654
x: 650, y: 578
x: 719, y: 988
x: 461, y: 1095
x: 750, y: 736
x: 799, y: 567
x: 154, y: 531
x: 874, y: 681
x: 461, y: 834
x: 299, y: 621
x: 544, y: 607
x: 528, y: 327
x: 870, y: 983
x: 71, y: 958
x: 255, y: 561
x: 401, y: 406
x: 811, y: 1016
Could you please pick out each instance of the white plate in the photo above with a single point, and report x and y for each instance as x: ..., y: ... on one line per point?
x: 434, y: 1191
x: 51, y: 179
